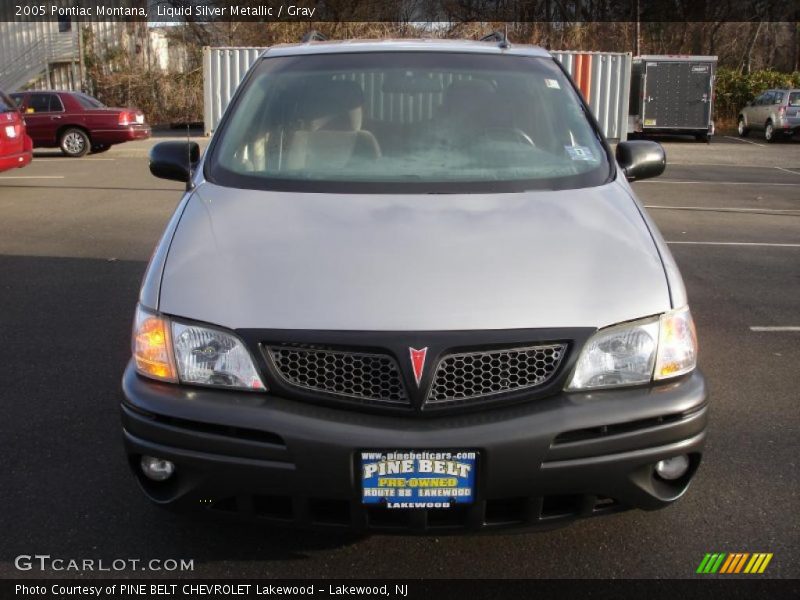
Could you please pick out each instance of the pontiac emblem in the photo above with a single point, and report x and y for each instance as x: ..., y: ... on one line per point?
x: 418, y: 362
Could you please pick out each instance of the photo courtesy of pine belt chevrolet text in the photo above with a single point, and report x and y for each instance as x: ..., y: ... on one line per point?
x: 462, y: 320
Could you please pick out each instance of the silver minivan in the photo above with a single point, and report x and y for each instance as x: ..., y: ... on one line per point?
x: 410, y: 289
x: 775, y: 112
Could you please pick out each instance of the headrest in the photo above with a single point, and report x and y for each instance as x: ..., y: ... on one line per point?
x: 333, y: 105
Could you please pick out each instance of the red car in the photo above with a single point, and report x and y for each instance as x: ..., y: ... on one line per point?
x: 78, y: 123
x: 16, y: 148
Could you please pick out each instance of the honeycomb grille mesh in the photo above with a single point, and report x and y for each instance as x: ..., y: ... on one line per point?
x: 461, y: 378
x: 355, y: 375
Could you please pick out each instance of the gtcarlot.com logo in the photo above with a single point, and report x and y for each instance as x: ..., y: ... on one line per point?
x: 734, y: 562
x: 45, y: 562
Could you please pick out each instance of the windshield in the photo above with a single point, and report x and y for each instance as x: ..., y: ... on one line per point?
x: 794, y: 99
x: 405, y: 122
x: 6, y: 104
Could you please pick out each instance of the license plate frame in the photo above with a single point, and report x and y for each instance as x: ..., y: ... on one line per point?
x: 417, y: 479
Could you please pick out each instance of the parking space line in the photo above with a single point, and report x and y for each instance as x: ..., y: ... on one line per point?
x: 701, y: 164
x: 767, y: 244
x: 726, y: 209
x: 67, y: 160
x: 788, y: 170
x: 652, y: 181
x: 31, y: 176
x: 738, y: 139
x: 775, y: 328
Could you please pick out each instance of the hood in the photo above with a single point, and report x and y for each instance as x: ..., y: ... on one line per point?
x: 278, y: 260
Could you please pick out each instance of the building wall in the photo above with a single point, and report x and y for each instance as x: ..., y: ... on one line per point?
x: 30, y: 51
x: 26, y: 47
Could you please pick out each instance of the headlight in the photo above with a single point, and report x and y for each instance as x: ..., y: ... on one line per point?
x: 637, y: 352
x: 213, y: 357
x: 174, y: 352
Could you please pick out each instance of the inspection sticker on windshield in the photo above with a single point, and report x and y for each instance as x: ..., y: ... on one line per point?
x: 552, y: 83
x: 579, y: 152
x: 418, y: 479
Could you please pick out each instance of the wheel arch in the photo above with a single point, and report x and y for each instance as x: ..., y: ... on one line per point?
x: 63, y: 128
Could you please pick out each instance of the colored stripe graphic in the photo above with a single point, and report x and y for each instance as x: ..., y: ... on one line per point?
x: 734, y: 563
x: 717, y: 564
x: 741, y: 562
x: 765, y: 563
x: 732, y: 559
x: 758, y: 563
x: 724, y: 563
x: 711, y: 562
x: 753, y: 564
x: 703, y: 563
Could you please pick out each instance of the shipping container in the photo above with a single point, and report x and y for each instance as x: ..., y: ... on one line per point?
x: 673, y: 94
x: 223, y: 70
x: 604, y: 79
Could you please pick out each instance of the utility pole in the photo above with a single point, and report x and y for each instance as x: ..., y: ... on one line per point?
x: 638, y: 31
x: 81, y: 67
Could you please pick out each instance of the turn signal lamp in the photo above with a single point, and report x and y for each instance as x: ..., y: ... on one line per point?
x: 151, y: 347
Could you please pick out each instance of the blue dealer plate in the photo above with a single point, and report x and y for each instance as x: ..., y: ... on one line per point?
x: 418, y: 479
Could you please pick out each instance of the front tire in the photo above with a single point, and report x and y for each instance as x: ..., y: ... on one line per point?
x: 75, y: 142
x: 770, y: 135
x: 742, y: 128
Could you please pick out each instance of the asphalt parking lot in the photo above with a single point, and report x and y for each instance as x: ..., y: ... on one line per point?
x: 75, y: 237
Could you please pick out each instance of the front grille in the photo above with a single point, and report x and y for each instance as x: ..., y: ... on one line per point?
x: 469, y: 376
x: 356, y: 375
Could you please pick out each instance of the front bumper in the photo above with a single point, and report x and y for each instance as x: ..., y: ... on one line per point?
x: 541, y: 464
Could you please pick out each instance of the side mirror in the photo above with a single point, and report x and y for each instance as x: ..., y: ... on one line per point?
x: 640, y: 159
x: 174, y: 160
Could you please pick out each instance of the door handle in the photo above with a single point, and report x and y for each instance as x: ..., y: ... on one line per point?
x: 55, y: 118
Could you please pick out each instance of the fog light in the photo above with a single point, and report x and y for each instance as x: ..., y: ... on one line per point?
x: 157, y: 469
x: 672, y: 468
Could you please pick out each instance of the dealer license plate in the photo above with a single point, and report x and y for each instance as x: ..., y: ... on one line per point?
x: 418, y: 479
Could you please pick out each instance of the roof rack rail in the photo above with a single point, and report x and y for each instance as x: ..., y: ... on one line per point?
x: 496, y: 36
x: 314, y: 36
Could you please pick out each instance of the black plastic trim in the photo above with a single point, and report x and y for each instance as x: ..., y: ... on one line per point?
x: 524, y: 482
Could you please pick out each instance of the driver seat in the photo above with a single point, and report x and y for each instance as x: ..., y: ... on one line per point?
x: 331, y: 136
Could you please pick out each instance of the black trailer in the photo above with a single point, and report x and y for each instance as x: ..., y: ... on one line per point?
x: 672, y: 94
